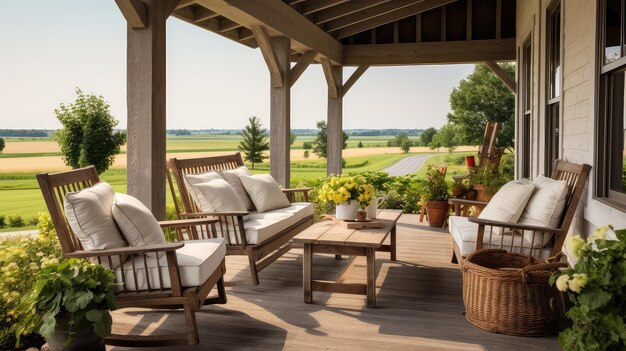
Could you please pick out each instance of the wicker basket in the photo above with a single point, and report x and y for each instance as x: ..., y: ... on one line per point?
x: 509, y: 293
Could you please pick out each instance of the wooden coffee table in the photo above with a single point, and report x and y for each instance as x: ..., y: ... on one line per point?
x: 331, y: 238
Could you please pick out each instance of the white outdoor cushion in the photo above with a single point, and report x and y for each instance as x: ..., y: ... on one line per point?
x: 232, y: 177
x: 508, y: 203
x: 264, y: 192
x: 464, y: 234
x: 545, y: 206
x: 220, y: 196
x: 197, y: 260
x: 88, y: 213
x: 263, y: 226
x: 192, y: 179
x: 136, y: 222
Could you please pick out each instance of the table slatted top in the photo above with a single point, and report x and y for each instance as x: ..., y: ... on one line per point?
x: 328, y: 232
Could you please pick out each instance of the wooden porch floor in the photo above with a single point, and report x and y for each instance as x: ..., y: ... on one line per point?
x: 419, y: 300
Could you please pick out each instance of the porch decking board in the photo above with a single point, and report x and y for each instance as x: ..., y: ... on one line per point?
x: 419, y: 302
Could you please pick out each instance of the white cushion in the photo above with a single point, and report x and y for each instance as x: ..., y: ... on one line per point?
x: 192, y: 179
x: 136, y: 222
x: 232, y: 177
x: 508, y: 203
x: 220, y: 196
x: 464, y: 234
x: 89, y: 214
x: 546, y: 205
x: 263, y: 226
x: 264, y: 192
x: 197, y: 260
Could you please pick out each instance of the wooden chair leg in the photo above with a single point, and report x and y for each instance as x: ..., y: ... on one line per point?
x: 221, y: 291
x: 422, y: 213
x: 454, y: 260
x: 190, y: 318
x: 253, y: 270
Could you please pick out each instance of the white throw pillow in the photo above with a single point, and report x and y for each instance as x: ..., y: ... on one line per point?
x: 136, y: 222
x: 232, y: 177
x: 220, y: 196
x: 264, y: 192
x: 88, y: 213
x: 508, y: 203
x: 544, y: 208
x: 192, y: 179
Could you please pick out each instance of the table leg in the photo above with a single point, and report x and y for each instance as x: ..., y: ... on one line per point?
x: 371, y: 277
x: 307, y: 272
x: 393, y: 243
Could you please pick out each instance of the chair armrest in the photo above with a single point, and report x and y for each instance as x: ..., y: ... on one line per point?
x: 186, y: 215
x: 455, y: 201
x: 126, y: 250
x: 514, y: 226
x: 296, y: 190
x: 227, y: 225
x: 290, y: 193
x: 182, y: 223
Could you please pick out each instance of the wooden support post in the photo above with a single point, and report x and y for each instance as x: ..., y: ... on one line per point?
x: 146, y: 109
x: 280, y: 106
x: 503, y: 75
x: 335, y: 121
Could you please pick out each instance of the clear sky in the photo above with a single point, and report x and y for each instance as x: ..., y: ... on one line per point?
x: 48, y: 48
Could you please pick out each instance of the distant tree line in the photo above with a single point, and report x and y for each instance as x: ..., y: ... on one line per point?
x: 178, y: 132
x: 385, y: 132
x: 23, y: 133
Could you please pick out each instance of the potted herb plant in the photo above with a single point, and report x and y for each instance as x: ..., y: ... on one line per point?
x: 69, y: 305
x: 348, y: 192
x: 486, y: 182
x: 435, y: 193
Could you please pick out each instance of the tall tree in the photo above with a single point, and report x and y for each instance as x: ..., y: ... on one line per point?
x: 448, y: 136
x: 483, y: 98
x: 321, y: 140
x: 292, y: 138
x: 1, y: 144
x: 254, y: 142
x: 427, y: 136
x: 87, y: 136
x: 403, y: 142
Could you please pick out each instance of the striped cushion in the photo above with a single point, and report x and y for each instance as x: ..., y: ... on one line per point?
x: 220, y: 196
x: 232, y: 177
x: 136, y: 222
x: 192, y: 179
x: 264, y: 192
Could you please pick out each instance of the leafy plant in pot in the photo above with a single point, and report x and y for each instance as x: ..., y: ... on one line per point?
x: 486, y: 182
x: 435, y: 193
x: 69, y: 305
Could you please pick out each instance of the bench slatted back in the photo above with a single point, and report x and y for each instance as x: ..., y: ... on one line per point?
x: 54, y: 186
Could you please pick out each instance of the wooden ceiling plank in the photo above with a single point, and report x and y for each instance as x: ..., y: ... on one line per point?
x: 504, y: 76
x: 354, y: 77
x: 389, y: 17
x: 202, y: 14
x: 280, y: 19
x: 305, y: 60
x: 228, y: 25
x: 269, y: 55
x: 473, y: 51
x: 245, y: 34
x: 344, y: 10
x: 331, y: 80
x: 184, y: 3
x: 313, y: 6
x: 368, y: 13
x: 134, y: 11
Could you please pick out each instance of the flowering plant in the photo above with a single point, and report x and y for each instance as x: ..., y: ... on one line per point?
x: 596, y: 286
x: 345, y: 188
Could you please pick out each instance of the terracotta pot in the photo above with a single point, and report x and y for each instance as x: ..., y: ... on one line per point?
x: 480, y: 193
x: 437, y: 211
x: 84, y: 339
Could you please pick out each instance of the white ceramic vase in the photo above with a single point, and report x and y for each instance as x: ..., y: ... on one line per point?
x: 345, y: 210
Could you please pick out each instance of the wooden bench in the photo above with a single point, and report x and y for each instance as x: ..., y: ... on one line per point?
x: 231, y: 224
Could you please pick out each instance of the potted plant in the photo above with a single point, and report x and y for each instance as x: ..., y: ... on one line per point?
x: 348, y: 192
x: 595, y: 286
x: 435, y: 193
x: 69, y: 305
x: 486, y: 182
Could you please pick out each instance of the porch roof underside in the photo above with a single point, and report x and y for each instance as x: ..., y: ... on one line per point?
x: 367, y: 32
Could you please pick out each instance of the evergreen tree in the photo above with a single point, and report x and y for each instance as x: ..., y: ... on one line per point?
x: 360, y: 145
x: 321, y: 141
x: 254, y: 142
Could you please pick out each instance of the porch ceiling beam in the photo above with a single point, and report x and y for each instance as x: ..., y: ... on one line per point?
x: 280, y: 19
x: 134, y: 11
x: 504, y: 76
x: 170, y: 6
x: 296, y: 71
x: 353, y: 78
x: 184, y: 3
x: 313, y: 6
x: 202, y: 14
x: 334, y: 85
x: 226, y: 25
x: 430, y: 53
x: 269, y: 55
x: 389, y: 17
x: 368, y: 13
x: 344, y: 10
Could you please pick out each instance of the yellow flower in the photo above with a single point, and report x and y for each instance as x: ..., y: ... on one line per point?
x: 561, y: 282
x: 575, y: 246
x: 578, y: 282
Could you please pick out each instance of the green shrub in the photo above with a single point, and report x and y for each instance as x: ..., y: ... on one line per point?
x: 16, y: 221
x: 403, y: 193
x: 34, y: 220
x: 457, y: 160
x: 507, y: 166
x: 170, y: 214
x: 3, y: 222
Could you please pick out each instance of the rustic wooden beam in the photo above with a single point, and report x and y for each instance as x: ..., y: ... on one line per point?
x: 354, y: 77
x: 313, y: 6
x: 334, y: 84
x: 280, y: 119
x: 430, y: 53
x: 367, y: 14
x: 498, y: 19
x: 503, y: 75
x: 345, y: 9
x: 227, y: 25
x: 280, y: 19
x: 170, y: 7
x: 134, y: 11
x: 265, y: 44
x: 202, y: 14
x: 468, y: 28
x: 184, y: 3
x: 388, y: 17
x: 305, y: 60
x: 334, y: 124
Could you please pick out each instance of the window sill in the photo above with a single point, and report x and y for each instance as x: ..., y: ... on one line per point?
x: 612, y: 203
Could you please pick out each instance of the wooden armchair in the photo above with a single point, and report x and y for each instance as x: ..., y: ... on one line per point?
x: 231, y: 224
x: 573, y: 174
x: 143, y: 283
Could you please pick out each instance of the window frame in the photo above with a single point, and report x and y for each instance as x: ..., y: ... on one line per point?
x: 554, y: 86
x: 526, y: 102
